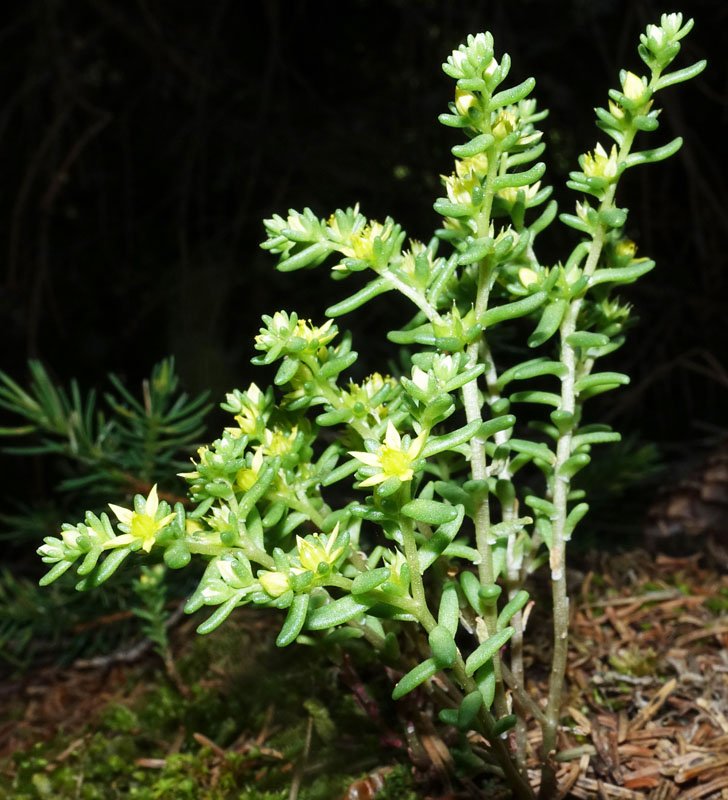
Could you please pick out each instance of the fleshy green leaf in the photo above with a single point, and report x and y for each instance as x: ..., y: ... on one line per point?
x: 368, y: 581
x: 448, y: 615
x: 622, y: 275
x: 511, y: 608
x: 487, y: 650
x: 421, y: 673
x: 469, y: 709
x: 442, y: 644
x: 479, y: 144
x: 369, y: 292
x: 511, y: 96
x: 549, y: 323
x: 294, y: 620
x: 574, y: 518
x: 519, y: 308
x: 430, y: 511
x: 310, y: 256
x: 652, y: 156
x: 440, y: 540
x: 680, y: 75
x: 335, y: 613
x: 600, y: 379
x: 219, y: 616
x: 587, y: 339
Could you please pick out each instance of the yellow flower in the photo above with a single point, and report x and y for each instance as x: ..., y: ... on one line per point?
x: 626, y: 248
x: 359, y: 397
x: 477, y: 164
x: 615, y: 110
x: 247, y: 476
x: 362, y: 244
x: 527, y: 276
x: 393, y: 459
x: 464, y: 101
x: 319, y: 549
x: 407, y: 264
x: 278, y: 442
x: 600, y: 165
x: 505, y: 123
x: 139, y: 525
x: 633, y: 87
x: 582, y: 210
x: 274, y: 583
x: 657, y: 34
x: 251, y: 408
x: 460, y: 189
x: 309, y: 332
x: 335, y: 231
x: 510, y: 193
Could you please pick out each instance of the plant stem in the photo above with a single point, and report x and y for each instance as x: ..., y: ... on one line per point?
x: 521, y: 696
x: 560, y: 492
x: 333, y: 398
x: 516, y: 779
x: 417, y: 297
x: 513, y: 774
x: 416, y: 583
x: 560, y: 495
x: 473, y: 412
x: 513, y: 563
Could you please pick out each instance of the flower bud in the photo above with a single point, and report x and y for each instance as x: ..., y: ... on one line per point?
x: 274, y: 583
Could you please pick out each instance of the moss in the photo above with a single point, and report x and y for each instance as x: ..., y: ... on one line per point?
x: 238, y: 685
x: 635, y: 660
x: 718, y: 604
x: 398, y: 785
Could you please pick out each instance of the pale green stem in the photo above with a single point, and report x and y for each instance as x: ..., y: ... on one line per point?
x: 521, y: 696
x: 339, y: 581
x: 515, y: 580
x: 416, y: 583
x: 412, y: 294
x: 333, y: 398
x: 473, y: 412
x: 560, y: 493
x: 374, y: 639
x: 517, y: 780
x: 472, y: 402
x: 213, y: 549
x: 305, y: 506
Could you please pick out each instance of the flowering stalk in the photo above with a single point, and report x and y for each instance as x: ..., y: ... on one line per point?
x: 628, y: 111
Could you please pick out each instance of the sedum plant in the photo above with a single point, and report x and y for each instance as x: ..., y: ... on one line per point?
x: 419, y: 504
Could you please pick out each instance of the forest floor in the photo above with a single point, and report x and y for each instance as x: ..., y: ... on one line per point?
x: 645, y: 713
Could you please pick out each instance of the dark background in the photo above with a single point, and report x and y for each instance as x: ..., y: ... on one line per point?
x: 142, y: 143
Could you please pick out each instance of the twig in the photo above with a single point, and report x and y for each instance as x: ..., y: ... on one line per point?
x: 127, y: 655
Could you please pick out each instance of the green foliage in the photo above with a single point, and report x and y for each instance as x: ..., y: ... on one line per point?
x: 128, y: 443
x: 32, y: 632
x: 151, y: 590
x: 357, y: 504
x: 122, y: 444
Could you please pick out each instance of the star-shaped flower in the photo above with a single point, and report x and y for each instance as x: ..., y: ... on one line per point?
x: 319, y: 549
x: 393, y: 458
x: 143, y: 524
